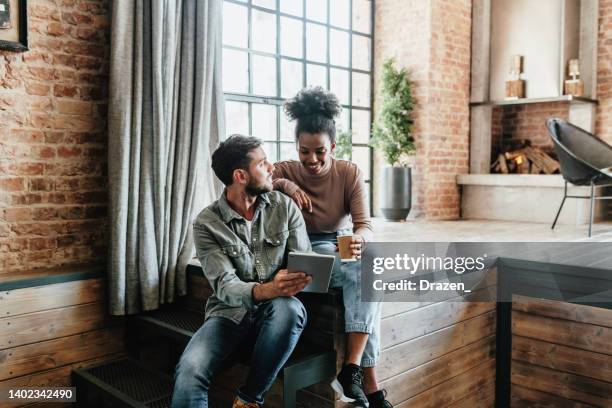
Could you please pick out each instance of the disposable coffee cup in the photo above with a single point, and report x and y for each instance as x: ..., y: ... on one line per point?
x: 344, y: 247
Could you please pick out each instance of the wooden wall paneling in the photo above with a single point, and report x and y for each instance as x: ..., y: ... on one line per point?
x: 523, y: 397
x: 439, y: 371
x: 58, y: 377
x: 34, y: 299
x: 45, y: 355
x: 410, y: 354
x: 580, y: 335
x: 570, y: 386
x: 563, y: 310
x: 454, y: 389
x: 429, y: 319
x: 483, y: 397
x: 45, y: 325
x: 562, y: 358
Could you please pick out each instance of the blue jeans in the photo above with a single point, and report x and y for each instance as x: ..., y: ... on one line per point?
x: 361, y: 317
x: 274, y: 328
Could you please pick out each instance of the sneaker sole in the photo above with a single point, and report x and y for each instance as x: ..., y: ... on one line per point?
x: 336, y: 386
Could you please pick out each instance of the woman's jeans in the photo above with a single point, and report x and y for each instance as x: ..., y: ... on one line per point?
x: 361, y: 317
x: 274, y: 329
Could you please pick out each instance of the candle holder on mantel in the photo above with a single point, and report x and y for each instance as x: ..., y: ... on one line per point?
x: 574, y: 86
x: 515, y: 86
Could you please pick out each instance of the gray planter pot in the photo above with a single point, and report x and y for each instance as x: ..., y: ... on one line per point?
x: 396, y: 193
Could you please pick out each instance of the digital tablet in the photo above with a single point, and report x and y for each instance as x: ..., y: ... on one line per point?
x: 316, y: 265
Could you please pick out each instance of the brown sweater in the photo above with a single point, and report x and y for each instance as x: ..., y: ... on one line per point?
x: 336, y: 193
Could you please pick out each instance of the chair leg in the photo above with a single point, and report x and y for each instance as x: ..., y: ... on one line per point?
x: 592, y: 208
x: 560, y: 207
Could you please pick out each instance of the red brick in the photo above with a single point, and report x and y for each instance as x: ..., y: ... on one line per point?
x: 17, y: 214
x: 37, y: 244
x: 12, y: 184
x: 74, y: 107
x: 65, y: 90
x: 68, y: 152
x: 41, y: 184
x: 36, y: 88
x: 55, y: 29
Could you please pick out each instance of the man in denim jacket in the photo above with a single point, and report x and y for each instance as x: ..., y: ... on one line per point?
x: 242, y: 241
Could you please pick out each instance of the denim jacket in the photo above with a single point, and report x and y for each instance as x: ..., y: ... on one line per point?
x: 233, y: 265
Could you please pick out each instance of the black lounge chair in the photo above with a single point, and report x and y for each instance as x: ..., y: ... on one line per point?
x: 582, y: 157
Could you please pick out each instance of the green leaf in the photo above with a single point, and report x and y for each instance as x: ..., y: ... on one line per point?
x: 392, y: 132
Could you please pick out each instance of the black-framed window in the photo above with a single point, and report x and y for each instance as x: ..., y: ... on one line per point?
x: 274, y: 48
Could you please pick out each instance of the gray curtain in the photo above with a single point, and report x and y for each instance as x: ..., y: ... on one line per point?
x: 165, y: 115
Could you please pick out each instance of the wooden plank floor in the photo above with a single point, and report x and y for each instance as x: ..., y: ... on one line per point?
x: 486, y: 231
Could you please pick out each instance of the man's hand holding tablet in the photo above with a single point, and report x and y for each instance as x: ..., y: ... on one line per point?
x: 284, y: 284
x: 318, y: 266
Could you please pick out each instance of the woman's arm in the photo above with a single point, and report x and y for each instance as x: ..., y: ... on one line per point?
x: 360, y: 206
x: 282, y: 183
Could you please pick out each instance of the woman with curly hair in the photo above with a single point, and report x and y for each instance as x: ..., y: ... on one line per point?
x: 329, y: 191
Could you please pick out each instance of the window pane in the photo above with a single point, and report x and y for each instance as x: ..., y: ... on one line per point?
x: 288, y: 151
x: 291, y: 37
x: 294, y: 7
x: 287, y: 131
x: 362, y: 16
x: 271, y: 4
x: 361, y: 89
x: 316, y: 75
x: 339, y: 84
x: 264, y: 121
x: 361, y: 52
x: 317, y: 10
x: 237, y: 118
x: 270, y: 149
x: 342, y: 123
x: 291, y: 78
x: 235, y: 71
x: 316, y: 42
x: 264, y: 31
x: 361, y: 157
x: 339, y: 48
x: 264, y: 75
x: 361, y: 126
x: 340, y: 10
x: 235, y: 25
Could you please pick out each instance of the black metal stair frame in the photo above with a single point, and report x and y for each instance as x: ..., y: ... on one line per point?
x: 127, y: 383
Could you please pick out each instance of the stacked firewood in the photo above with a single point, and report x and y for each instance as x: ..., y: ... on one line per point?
x: 525, y: 160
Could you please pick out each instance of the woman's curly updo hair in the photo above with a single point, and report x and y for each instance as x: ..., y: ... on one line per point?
x: 314, y: 110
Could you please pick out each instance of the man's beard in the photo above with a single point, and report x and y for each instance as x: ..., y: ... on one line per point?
x: 255, y: 190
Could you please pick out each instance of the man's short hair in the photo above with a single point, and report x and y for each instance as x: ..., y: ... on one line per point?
x: 233, y: 154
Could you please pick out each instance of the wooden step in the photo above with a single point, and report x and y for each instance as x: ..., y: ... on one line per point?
x: 122, y: 383
x: 181, y: 324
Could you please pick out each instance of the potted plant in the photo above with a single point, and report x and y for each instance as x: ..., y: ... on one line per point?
x: 392, y: 134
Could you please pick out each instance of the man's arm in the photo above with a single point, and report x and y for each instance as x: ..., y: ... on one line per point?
x: 220, y: 271
x: 285, y: 283
x: 298, y: 236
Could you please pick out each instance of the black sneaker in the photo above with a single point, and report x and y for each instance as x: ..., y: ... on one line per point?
x: 349, y: 385
x: 378, y: 399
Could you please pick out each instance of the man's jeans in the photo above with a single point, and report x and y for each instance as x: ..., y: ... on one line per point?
x: 361, y: 317
x: 274, y: 328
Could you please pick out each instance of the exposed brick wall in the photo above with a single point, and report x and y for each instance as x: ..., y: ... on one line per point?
x: 604, y: 72
x: 432, y: 39
x: 53, y: 101
x: 447, y: 147
x: 515, y: 123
